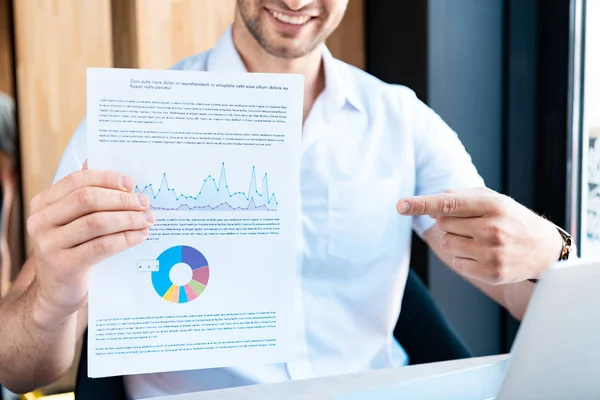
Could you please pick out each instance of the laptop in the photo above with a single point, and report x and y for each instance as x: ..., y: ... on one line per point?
x: 556, y: 354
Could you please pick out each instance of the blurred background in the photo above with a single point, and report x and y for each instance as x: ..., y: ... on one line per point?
x: 517, y: 79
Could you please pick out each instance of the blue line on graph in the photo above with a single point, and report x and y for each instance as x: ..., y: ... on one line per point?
x: 212, y: 195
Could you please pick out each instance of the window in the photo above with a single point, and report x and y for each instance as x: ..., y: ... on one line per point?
x: 591, y: 132
x: 586, y: 127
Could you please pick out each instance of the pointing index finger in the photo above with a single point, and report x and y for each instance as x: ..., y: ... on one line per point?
x: 447, y: 204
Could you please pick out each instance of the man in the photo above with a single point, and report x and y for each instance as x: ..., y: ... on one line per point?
x: 368, y: 148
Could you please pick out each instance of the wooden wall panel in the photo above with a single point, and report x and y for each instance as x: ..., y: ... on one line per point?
x: 348, y: 41
x: 168, y: 31
x: 56, y: 40
x: 6, y: 60
x: 124, y: 33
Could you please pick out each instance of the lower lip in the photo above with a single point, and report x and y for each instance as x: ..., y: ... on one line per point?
x: 288, y: 28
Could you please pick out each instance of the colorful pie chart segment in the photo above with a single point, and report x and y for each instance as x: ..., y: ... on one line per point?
x: 182, y: 292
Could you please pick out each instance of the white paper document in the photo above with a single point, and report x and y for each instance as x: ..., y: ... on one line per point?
x: 218, y: 155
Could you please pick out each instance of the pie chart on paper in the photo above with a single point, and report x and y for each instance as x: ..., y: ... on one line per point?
x: 182, y: 274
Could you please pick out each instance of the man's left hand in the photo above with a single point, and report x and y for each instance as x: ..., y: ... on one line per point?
x: 491, y: 237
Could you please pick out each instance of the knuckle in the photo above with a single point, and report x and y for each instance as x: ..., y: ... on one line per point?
x: 85, y: 196
x: 498, y: 260
x: 449, y: 205
x: 127, y: 200
x: 496, y: 235
x: 498, y: 276
x: 75, y: 180
x: 459, y: 264
x: 33, y: 225
x: 499, y: 203
x: 103, y: 244
x: 130, y: 239
x: 35, y: 202
x: 418, y: 207
x: 446, y: 242
x: 134, y: 219
x: 95, y: 222
x: 494, y: 278
x: 46, y: 246
x: 109, y: 179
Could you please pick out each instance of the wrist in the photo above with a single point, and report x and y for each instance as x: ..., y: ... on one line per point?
x: 44, y: 314
x: 560, y: 246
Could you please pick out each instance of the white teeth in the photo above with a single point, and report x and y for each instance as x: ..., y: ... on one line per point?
x: 289, y: 19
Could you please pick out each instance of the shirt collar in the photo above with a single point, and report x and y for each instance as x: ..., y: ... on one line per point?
x: 224, y: 56
x: 339, y: 84
x: 340, y: 90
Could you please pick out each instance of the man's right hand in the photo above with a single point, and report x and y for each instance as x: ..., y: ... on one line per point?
x: 74, y: 224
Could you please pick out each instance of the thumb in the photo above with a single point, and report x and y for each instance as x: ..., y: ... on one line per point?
x: 84, y: 168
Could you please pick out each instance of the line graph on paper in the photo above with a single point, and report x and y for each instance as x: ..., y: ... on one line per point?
x: 212, y: 195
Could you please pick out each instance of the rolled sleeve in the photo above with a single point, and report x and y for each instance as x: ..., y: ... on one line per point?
x: 441, y: 160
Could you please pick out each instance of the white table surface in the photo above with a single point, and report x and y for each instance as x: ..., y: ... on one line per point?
x: 325, y: 388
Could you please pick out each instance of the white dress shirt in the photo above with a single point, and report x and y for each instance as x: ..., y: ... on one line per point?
x: 365, y: 145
